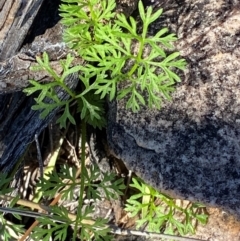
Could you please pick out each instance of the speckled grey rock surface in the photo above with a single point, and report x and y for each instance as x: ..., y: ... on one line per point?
x: 190, y: 149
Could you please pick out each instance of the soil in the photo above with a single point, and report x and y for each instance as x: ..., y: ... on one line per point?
x: 220, y: 227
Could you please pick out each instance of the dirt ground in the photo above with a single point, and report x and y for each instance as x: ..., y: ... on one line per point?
x: 220, y: 227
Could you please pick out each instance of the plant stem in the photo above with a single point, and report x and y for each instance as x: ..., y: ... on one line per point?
x: 138, y: 58
x: 68, y: 90
x: 83, y: 170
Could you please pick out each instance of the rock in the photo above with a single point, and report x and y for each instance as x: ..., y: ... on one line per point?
x: 190, y: 149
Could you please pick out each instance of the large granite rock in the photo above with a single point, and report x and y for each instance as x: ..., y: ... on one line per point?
x: 190, y: 149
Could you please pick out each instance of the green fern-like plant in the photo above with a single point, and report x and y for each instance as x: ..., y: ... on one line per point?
x: 59, y: 221
x: 114, y: 55
x: 165, y: 214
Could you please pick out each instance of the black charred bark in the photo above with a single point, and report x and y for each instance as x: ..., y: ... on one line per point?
x: 18, y: 122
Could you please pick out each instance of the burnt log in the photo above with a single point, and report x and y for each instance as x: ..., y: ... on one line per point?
x: 25, y: 39
x: 16, y: 20
x: 30, y: 28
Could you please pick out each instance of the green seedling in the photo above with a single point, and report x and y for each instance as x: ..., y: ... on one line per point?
x: 118, y: 61
x: 161, y: 213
